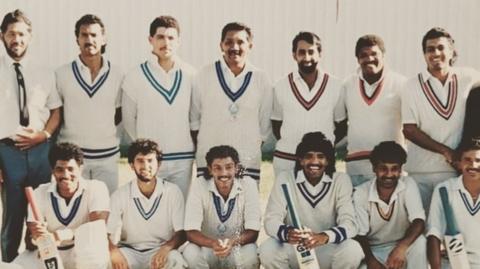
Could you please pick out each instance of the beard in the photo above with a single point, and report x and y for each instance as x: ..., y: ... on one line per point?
x: 144, y: 178
x: 307, y: 69
x: 14, y: 54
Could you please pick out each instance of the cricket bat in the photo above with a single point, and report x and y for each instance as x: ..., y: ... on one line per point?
x: 47, y: 247
x: 307, y: 259
x: 454, y: 242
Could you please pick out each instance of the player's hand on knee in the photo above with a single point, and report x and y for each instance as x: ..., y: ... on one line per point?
x: 118, y: 260
x: 398, y: 257
x: 159, y: 260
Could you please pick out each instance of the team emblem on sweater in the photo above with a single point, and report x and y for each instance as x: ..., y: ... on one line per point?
x: 89, y: 89
x: 445, y: 111
x: 307, y: 104
x: 221, y: 79
x: 169, y: 95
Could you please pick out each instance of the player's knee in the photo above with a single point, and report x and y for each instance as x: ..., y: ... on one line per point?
x: 349, y: 254
x: 270, y: 253
x: 193, y: 255
x: 417, y: 253
x: 175, y: 260
x: 248, y: 256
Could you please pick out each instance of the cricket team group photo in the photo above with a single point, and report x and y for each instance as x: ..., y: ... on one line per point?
x: 192, y: 139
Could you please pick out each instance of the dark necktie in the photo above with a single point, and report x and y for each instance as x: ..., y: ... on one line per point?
x: 22, y: 96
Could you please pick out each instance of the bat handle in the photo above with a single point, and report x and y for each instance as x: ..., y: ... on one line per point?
x: 33, y: 205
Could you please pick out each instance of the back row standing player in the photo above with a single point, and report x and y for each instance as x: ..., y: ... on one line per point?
x: 433, y: 111
x: 370, y: 100
x: 89, y: 87
x: 304, y: 101
x: 159, y: 89
x: 232, y: 102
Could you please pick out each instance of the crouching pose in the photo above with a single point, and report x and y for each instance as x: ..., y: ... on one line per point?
x: 390, y: 214
x: 147, y: 215
x: 74, y: 211
x: 222, y: 217
x: 463, y: 197
x: 324, y: 206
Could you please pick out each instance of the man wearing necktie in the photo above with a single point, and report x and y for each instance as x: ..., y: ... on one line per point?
x: 30, y: 113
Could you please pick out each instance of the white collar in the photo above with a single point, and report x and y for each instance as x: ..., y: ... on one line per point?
x: 136, y: 193
x: 237, y: 188
x: 85, y: 68
x: 153, y: 61
x: 226, y: 70
x: 301, y: 177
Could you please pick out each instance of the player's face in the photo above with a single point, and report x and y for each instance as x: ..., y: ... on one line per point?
x: 235, y: 47
x: 438, y: 53
x: 370, y: 60
x: 16, y: 39
x: 164, y: 42
x: 145, y: 166
x: 306, y: 56
x: 223, y: 172
x: 387, y: 174
x: 91, y: 39
x: 314, y: 164
x: 67, y: 174
x: 470, y: 164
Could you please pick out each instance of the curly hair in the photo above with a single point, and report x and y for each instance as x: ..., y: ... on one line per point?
x: 143, y: 146
x: 65, y: 152
x: 388, y: 152
x: 316, y: 141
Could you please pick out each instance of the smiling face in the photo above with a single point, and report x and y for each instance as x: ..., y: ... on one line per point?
x: 313, y: 165
x: 387, y: 174
x: 145, y: 166
x: 67, y: 174
x: 165, y: 42
x: 223, y: 171
x: 470, y: 164
x: 438, y: 54
x: 235, y: 47
x: 370, y: 60
x: 16, y: 39
x: 307, y: 56
x: 91, y: 39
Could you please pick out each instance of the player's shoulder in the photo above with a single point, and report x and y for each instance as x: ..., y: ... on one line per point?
x: 170, y: 188
x: 95, y: 185
x: 116, y: 70
x: 64, y: 68
x: 248, y: 183
x: 362, y: 191
x: 187, y: 68
x: 42, y: 189
x: 285, y: 177
x: 341, y: 177
x: 350, y: 80
x: 283, y: 82
x: 123, y: 191
x: 450, y: 184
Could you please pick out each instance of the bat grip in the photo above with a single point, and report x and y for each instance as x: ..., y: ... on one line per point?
x: 33, y: 205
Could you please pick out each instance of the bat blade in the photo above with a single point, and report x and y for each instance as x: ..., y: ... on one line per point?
x: 453, y: 239
x: 307, y: 259
x: 47, y: 247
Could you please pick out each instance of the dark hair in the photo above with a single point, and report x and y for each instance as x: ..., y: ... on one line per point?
x: 308, y: 37
x: 388, y: 152
x: 438, y: 32
x: 143, y: 146
x: 369, y: 41
x: 89, y: 19
x: 236, y: 26
x: 316, y: 141
x: 13, y: 17
x: 221, y: 152
x: 467, y: 145
x: 65, y: 152
x: 164, y: 21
